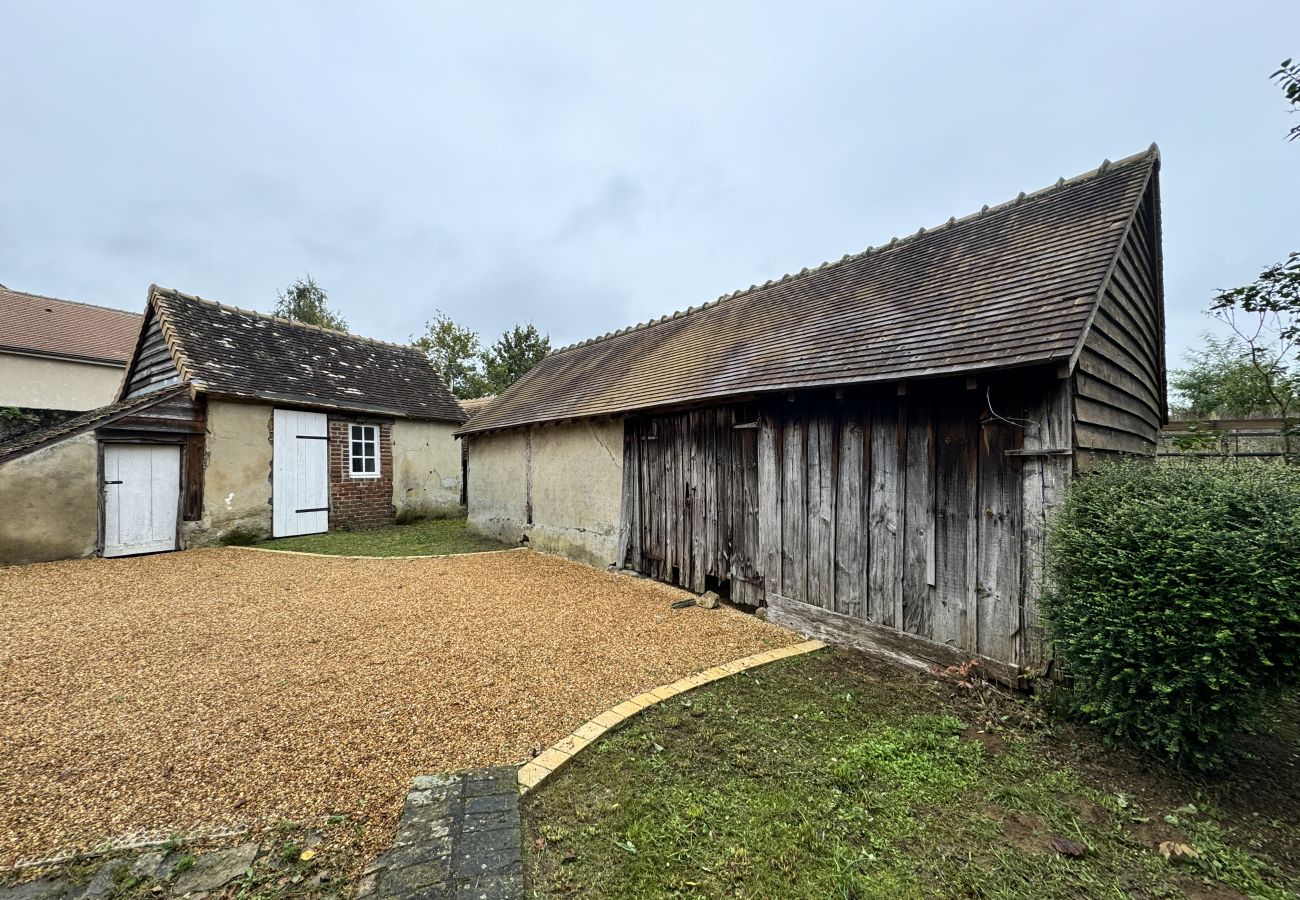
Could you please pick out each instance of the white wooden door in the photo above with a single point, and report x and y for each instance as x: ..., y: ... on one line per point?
x: 142, y: 492
x: 300, y: 493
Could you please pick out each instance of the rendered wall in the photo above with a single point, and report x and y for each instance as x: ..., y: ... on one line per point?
x: 39, y: 383
x: 559, y: 486
x: 426, y: 468
x: 237, y: 478
x: 50, y: 503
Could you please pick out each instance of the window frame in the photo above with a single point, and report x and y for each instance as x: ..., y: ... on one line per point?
x: 374, y: 442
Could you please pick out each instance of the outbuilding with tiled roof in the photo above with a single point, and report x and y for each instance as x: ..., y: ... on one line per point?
x: 869, y: 447
x: 231, y: 424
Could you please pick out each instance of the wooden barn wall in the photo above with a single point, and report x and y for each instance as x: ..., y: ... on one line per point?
x: 152, y: 367
x: 872, y: 515
x: 1119, y: 382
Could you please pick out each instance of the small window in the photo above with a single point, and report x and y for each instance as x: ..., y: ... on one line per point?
x: 363, y: 461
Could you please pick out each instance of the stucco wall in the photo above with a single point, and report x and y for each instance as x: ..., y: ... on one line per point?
x: 426, y: 468
x: 237, y: 478
x: 50, y: 503
x: 558, y: 485
x: 37, y: 383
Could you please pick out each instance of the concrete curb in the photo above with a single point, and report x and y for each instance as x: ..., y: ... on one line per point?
x: 342, y: 556
x: 557, y: 756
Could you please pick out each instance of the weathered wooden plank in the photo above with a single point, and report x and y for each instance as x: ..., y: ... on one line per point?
x: 769, y: 503
x: 998, y: 571
x: 1087, y: 385
x: 1043, y: 483
x: 885, y: 525
x: 897, y: 646
x: 1112, y: 438
x: 627, y: 504
x: 821, y: 509
x: 850, y: 517
x: 698, y: 501
x: 954, y: 618
x: 918, y: 518
x: 794, y: 511
x: 747, y: 572
x: 708, y: 487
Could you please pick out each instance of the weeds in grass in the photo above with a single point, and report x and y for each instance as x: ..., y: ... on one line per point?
x: 818, y: 779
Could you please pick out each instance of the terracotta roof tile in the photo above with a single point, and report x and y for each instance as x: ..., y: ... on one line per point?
x: 1008, y: 286
x: 35, y: 324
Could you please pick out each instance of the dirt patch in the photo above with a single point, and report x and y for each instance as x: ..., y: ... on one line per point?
x: 1025, y: 830
x: 990, y: 742
x: 220, y: 688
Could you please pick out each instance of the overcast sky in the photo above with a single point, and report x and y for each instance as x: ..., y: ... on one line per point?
x: 587, y: 167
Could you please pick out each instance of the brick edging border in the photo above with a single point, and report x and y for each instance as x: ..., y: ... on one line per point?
x: 535, y: 772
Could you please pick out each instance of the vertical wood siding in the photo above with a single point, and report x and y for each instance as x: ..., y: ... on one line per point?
x: 897, y: 512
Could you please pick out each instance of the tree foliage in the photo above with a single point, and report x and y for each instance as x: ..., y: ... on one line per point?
x: 306, y: 301
x: 517, y: 351
x: 1265, y: 317
x: 1288, y: 76
x: 470, y: 370
x: 455, y: 352
x: 1220, y: 380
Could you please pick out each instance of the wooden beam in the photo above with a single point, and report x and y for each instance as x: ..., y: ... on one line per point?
x: 897, y: 646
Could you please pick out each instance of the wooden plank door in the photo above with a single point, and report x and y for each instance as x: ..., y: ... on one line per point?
x: 142, y: 490
x: 300, y: 490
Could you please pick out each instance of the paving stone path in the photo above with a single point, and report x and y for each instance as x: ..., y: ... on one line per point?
x: 458, y: 839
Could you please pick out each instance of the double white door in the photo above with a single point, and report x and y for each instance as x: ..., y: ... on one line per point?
x: 142, y: 491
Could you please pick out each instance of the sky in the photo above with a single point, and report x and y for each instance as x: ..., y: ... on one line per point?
x: 588, y: 166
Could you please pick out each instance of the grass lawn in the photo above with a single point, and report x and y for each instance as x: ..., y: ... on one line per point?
x: 833, y: 775
x: 431, y: 537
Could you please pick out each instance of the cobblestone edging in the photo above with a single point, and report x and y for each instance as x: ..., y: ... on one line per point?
x: 552, y: 760
x: 458, y: 839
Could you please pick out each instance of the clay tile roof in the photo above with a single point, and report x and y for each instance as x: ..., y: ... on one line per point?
x: 225, y: 351
x: 34, y: 324
x: 1009, y: 286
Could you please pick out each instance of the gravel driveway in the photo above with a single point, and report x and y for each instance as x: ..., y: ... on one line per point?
x: 231, y: 687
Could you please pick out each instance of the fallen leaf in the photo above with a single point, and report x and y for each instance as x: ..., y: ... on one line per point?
x: 306, y: 855
x: 569, y: 857
x: 1067, y: 847
x: 1177, y: 853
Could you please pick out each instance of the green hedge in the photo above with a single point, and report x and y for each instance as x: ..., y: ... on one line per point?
x: 1175, y: 609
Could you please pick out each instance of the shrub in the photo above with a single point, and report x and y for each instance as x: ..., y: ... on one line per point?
x: 1175, y: 606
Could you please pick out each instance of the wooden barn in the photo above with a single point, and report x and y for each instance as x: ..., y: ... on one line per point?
x: 871, y: 448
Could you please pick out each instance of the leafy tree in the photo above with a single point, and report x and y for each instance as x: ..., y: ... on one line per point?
x: 1288, y: 76
x: 518, y: 350
x: 306, y: 301
x: 1220, y: 380
x: 1265, y: 317
x: 455, y: 352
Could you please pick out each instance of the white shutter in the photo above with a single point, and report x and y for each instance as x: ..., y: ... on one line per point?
x: 300, y: 494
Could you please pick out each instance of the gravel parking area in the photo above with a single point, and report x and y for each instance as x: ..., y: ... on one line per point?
x: 230, y: 687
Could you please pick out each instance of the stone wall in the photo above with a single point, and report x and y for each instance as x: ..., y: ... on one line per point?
x: 359, y: 502
x: 426, y: 468
x: 49, y: 503
x: 237, y: 473
x: 557, y: 488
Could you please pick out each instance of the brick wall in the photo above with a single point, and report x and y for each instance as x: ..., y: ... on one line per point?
x: 359, y: 502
